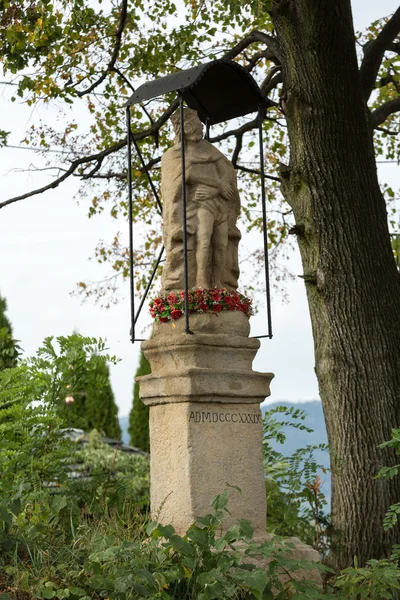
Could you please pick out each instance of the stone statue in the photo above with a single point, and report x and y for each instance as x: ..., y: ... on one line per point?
x: 213, y: 205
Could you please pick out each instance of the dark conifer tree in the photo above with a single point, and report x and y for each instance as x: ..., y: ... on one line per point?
x: 9, y: 349
x: 94, y: 405
x: 101, y: 412
x: 139, y: 416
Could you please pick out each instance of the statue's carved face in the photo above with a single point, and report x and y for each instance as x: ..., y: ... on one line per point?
x: 192, y: 125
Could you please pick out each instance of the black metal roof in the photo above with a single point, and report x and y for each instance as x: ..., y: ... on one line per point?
x: 219, y: 90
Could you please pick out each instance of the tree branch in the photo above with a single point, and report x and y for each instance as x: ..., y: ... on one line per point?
x: 273, y: 78
x: 118, y: 38
x: 387, y: 131
x: 123, y: 175
x: 235, y: 132
x: 256, y: 36
x: 374, y: 52
x: 394, y: 47
x: 238, y: 148
x: 74, y: 165
x: 379, y: 115
x: 252, y: 62
x: 256, y: 172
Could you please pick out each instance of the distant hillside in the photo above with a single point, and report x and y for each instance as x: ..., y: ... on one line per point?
x: 295, y: 439
x: 314, y: 420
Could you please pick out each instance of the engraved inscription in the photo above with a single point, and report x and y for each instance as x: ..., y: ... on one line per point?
x: 213, y: 417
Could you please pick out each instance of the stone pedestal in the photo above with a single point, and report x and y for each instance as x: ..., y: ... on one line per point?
x: 205, y: 420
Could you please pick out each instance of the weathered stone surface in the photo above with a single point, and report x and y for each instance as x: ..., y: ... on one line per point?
x: 213, y: 206
x: 299, y: 552
x: 205, y: 419
x: 198, y: 448
x: 214, y: 364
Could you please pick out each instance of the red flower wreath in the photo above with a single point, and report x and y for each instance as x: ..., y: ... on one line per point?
x: 171, y: 307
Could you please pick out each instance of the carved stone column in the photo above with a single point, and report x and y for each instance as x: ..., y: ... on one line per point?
x: 205, y: 419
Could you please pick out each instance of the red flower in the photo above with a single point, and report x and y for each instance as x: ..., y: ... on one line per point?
x: 172, y: 299
x: 230, y: 303
x: 175, y: 314
x: 190, y: 297
x: 199, y: 301
x: 216, y: 307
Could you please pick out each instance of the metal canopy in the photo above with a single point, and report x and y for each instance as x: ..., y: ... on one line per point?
x: 219, y: 90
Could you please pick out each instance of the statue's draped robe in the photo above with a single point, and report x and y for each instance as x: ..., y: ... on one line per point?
x: 205, y: 165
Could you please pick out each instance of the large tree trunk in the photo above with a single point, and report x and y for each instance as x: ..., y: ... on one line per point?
x: 352, y: 283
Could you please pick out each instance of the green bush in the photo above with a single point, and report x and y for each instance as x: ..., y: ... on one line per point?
x: 88, y: 537
x: 39, y: 501
x: 156, y: 563
x: 296, y: 504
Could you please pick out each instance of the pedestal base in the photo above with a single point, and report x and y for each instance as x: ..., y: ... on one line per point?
x: 205, y: 419
x: 199, y: 448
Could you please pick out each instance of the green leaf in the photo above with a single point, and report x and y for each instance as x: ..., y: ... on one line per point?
x: 166, y: 531
x: 199, y: 536
x: 179, y: 545
x: 255, y: 581
x: 59, y: 503
x: 144, y: 592
x: 77, y: 591
x: 246, y: 528
x: 5, y: 516
x: 47, y: 593
x: 221, y: 501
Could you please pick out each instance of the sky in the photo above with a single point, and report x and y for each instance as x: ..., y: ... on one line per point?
x: 45, y: 242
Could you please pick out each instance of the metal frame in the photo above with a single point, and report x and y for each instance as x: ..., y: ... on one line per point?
x: 130, y: 140
x: 184, y: 219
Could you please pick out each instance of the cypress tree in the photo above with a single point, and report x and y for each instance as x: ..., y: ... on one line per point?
x: 139, y: 416
x: 94, y: 405
x: 101, y: 412
x: 9, y: 349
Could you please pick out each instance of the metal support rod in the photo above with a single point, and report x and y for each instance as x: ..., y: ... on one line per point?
x: 207, y: 136
x: 148, y: 286
x: 264, y: 214
x: 159, y: 205
x: 184, y: 220
x: 130, y: 217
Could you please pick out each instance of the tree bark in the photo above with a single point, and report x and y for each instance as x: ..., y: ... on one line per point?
x: 352, y: 283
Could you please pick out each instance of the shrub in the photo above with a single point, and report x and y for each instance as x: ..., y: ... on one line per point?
x: 296, y: 503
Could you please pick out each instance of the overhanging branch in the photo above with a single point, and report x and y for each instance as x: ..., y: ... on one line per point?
x: 117, y: 46
x: 374, y: 52
x: 380, y: 115
x: 70, y: 171
x: 256, y: 36
x: 152, y: 131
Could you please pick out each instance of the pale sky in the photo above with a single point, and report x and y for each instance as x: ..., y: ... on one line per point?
x: 45, y: 242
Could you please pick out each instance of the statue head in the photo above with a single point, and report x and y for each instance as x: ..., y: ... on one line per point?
x: 192, y: 125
